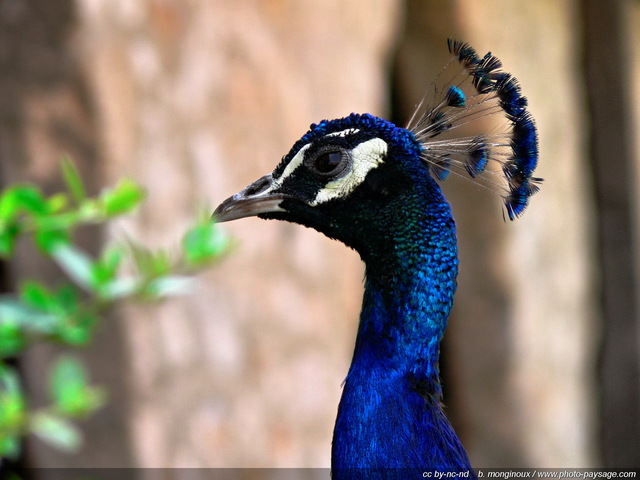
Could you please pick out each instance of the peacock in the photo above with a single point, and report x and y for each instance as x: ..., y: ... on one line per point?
x: 374, y: 186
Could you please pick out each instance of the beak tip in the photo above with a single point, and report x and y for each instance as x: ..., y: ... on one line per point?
x: 227, y: 210
x: 237, y: 207
x: 250, y: 202
x: 217, y: 215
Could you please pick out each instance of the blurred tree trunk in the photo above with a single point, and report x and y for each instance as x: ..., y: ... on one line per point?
x: 611, y: 143
x: 45, y: 112
x: 196, y: 100
x: 516, y: 354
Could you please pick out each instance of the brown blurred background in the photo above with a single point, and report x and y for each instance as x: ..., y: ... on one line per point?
x: 196, y: 99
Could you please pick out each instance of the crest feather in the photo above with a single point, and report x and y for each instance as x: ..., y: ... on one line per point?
x: 480, y: 90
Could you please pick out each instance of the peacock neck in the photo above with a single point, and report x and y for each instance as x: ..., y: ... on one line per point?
x: 409, y: 290
x: 390, y: 413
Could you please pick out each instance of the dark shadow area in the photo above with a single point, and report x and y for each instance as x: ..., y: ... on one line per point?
x: 610, y: 141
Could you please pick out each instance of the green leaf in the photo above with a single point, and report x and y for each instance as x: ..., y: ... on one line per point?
x: 12, y: 340
x: 56, y: 431
x: 124, y: 197
x: 36, y: 295
x: 161, y: 263
x: 49, y: 240
x: 57, y: 202
x: 9, y: 446
x: 67, y: 384
x: 203, y: 243
x: 150, y: 263
x: 72, y: 179
x: 76, y: 264
x: 76, y: 328
x: 106, y: 268
x: 28, y: 317
x: 13, y: 411
x: 91, y: 210
x: 66, y: 319
x: 9, y: 232
x: 22, y: 198
x: 9, y: 381
x: 58, y: 221
x: 120, y: 288
x: 170, y: 285
x: 67, y: 299
x: 71, y: 394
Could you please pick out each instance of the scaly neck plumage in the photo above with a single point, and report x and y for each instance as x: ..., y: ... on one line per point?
x: 390, y: 414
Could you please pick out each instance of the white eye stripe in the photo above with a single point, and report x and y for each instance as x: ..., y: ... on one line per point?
x: 365, y: 157
x: 295, y: 162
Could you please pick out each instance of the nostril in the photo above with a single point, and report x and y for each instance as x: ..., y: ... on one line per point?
x: 259, y: 186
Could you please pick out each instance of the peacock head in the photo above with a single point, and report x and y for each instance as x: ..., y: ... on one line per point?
x: 361, y: 179
x: 346, y: 178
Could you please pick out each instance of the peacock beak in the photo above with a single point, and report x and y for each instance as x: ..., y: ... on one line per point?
x: 257, y: 198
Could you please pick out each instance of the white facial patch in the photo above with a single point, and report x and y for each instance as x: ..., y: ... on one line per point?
x: 364, y: 158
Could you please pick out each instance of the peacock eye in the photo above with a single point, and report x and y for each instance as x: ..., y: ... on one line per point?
x: 330, y: 163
